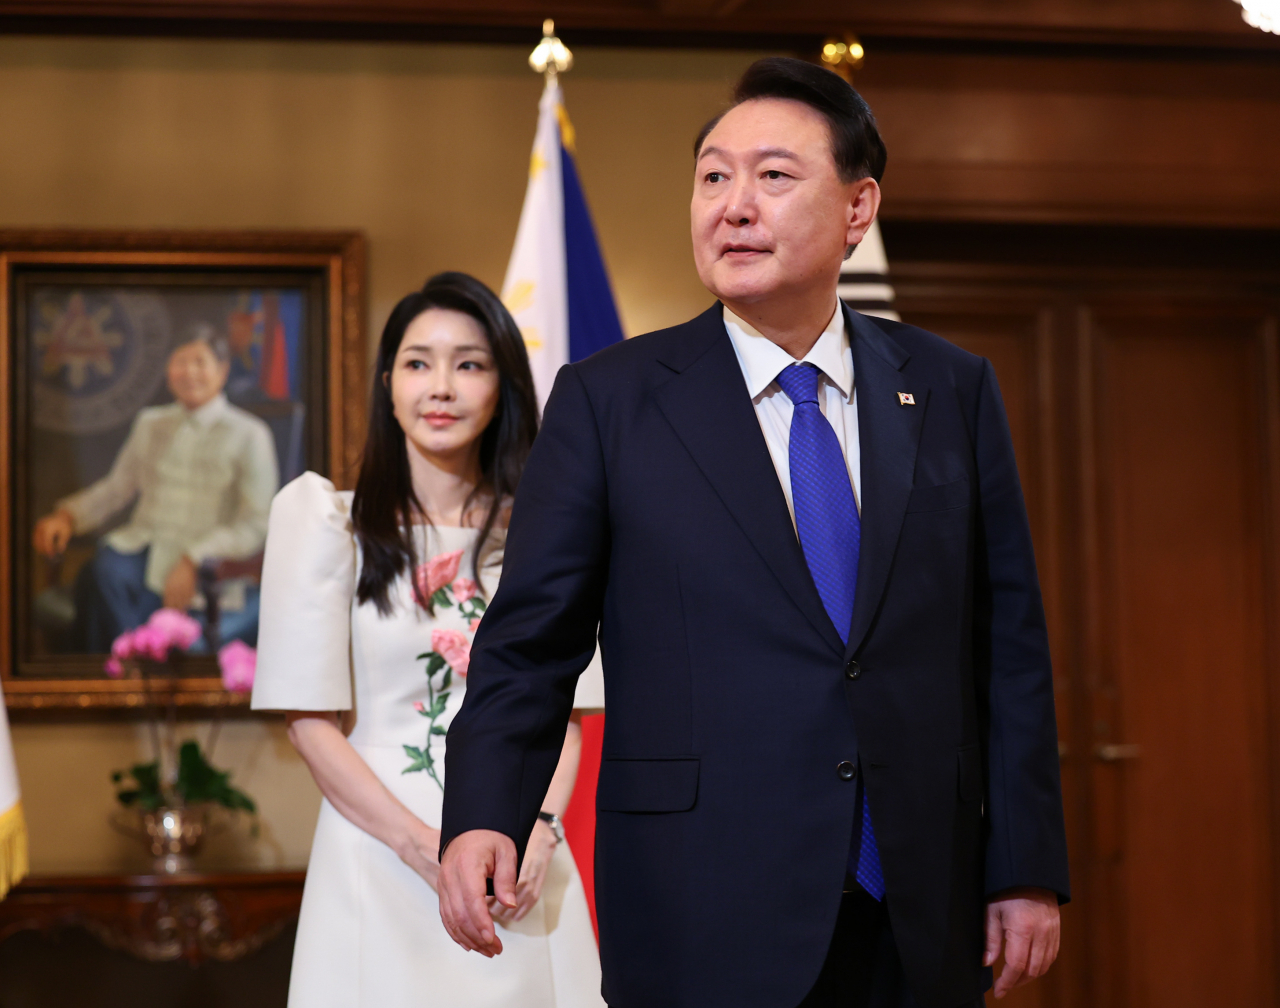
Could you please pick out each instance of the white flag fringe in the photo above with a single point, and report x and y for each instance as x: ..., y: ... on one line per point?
x: 13, y: 828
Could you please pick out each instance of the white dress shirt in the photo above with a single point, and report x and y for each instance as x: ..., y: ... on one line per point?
x: 761, y: 361
x: 203, y: 480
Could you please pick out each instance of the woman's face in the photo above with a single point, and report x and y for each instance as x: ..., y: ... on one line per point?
x: 444, y: 382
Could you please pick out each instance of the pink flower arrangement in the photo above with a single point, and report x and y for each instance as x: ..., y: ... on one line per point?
x: 238, y: 662
x: 438, y: 572
x: 177, y: 627
x: 474, y: 624
x: 166, y: 630
x: 453, y: 647
x: 464, y: 589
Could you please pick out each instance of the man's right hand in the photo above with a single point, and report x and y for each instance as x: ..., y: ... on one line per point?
x: 469, y: 860
x: 53, y: 532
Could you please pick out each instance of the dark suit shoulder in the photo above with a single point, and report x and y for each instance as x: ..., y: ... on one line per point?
x: 930, y: 355
x: 921, y: 342
x: 676, y: 346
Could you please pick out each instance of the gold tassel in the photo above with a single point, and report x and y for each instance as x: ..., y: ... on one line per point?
x: 13, y: 848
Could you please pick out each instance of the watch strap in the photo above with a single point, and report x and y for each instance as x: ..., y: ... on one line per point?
x: 556, y: 824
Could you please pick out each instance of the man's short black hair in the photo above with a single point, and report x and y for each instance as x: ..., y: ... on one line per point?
x: 855, y: 141
x: 203, y: 332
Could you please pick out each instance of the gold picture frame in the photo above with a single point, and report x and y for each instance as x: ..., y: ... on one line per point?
x: 318, y: 276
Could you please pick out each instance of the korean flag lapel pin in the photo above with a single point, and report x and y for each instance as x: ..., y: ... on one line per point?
x: 906, y: 399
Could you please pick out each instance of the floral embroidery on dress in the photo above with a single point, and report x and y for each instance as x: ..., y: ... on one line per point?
x: 450, y: 652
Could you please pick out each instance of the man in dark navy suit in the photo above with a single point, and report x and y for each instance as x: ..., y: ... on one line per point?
x: 830, y: 766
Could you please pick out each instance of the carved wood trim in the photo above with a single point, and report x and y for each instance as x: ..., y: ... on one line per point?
x: 196, y: 917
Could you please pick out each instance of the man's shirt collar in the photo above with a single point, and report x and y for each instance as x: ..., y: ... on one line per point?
x: 204, y: 416
x: 762, y: 359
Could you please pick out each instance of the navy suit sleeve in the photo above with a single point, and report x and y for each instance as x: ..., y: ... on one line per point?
x: 539, y: 632
x: 1027, y: 840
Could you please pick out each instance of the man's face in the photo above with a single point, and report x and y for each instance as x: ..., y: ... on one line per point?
x: 195, y: 374
x: 769, y: 213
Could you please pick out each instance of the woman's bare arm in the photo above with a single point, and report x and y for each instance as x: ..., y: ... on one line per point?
x: 355, y: 791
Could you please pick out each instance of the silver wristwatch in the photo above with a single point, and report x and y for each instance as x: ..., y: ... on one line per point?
x: 557, y: 827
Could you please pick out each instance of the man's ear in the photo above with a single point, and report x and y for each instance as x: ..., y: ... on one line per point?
x: 864, y: 204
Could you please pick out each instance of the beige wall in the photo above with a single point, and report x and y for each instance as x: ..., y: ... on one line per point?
x: 425, y: 149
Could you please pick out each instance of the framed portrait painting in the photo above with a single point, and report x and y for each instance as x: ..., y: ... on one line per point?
x: 158, y: 389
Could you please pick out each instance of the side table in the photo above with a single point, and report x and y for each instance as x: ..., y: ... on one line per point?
x: 160, y: 918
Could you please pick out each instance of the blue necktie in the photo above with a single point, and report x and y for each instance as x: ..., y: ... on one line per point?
x: 830, y: 533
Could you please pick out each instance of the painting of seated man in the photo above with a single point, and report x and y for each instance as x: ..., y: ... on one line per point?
x: 179, y: 517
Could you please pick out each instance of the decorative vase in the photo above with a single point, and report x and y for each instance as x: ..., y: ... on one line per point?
x: 175, y: 835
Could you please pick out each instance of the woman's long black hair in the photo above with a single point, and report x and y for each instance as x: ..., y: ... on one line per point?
x: 385, y: 507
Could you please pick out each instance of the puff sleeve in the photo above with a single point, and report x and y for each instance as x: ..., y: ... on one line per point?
x: 308, y: 579
x: 588, y: 696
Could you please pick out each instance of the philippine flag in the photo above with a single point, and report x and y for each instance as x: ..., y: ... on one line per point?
x: 557, y: 288
x: 558, y: 291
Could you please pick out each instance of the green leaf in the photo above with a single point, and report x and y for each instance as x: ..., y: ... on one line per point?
x: 435, y: 664
x: 415, y: 754
x: 198, y: 781
x: 147, y: 775
x: 437, y: 708
x: 439, y: 730
x: 447, y: 681
x: 441, y: 598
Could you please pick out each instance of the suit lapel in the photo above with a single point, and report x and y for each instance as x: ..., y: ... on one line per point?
x: 888, y: 436
x: 708, y: 406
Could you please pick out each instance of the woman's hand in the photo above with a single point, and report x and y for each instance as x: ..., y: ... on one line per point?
x: 533, y: 873
x: 420, y: 851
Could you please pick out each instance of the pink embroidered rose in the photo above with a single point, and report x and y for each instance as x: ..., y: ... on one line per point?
x: 453, y: 647
x: 464, y: 589
x: 474, y: 624
x: 179, y: 629
x: 420, y: 707
x: 238, y: 663
x: 438, y: 572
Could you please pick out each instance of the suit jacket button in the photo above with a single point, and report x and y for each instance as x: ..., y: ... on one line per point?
x: 847, y: 770
x: 853, y: 670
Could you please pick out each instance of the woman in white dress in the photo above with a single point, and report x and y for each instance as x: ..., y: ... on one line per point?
x: 369, y: 604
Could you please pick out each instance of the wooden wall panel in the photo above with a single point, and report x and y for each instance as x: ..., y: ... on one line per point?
x: 1184, y: 853
x: 1145, y: 409
x: 1078, y: 138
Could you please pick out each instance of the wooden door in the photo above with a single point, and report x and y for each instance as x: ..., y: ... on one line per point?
x: 1146, y: 418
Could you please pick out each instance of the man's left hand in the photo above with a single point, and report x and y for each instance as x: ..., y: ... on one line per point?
x: 180, y: 585
x: 1025, y: 923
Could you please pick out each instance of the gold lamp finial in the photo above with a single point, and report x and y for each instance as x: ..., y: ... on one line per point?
x: 552, y: 56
